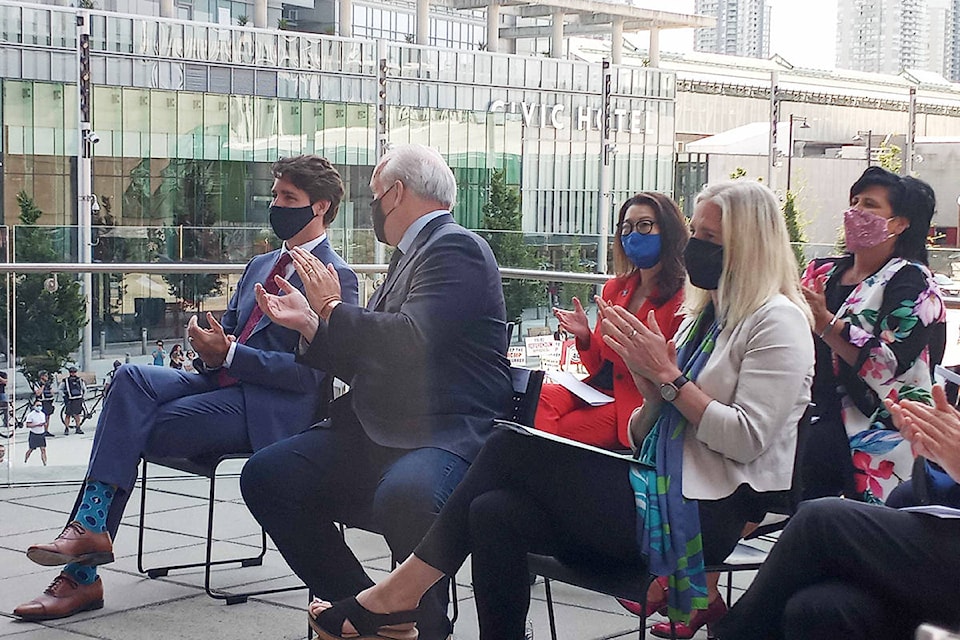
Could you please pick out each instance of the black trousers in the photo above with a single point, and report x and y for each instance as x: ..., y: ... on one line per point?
x: 844, y: 569
x: 525, y: 494
x: 298, y: 487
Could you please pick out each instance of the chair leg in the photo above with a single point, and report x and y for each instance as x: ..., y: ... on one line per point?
x: 309, y: 600
x: 550, y: 614
x: 143, y: 513
x: 209, y: 562
x: 454, y: 601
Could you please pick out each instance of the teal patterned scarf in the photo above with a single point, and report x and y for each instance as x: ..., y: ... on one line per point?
x: 668, y: 526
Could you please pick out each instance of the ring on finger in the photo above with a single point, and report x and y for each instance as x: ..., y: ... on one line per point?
x: 632, y: 333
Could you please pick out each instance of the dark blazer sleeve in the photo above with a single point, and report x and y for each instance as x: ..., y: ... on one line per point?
x: 441, y: 299
x: 280, y: 369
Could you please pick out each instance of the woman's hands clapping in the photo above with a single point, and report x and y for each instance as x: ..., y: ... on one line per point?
x: 813, y: 285
x: 650, y: 357
x: 574, y: 322
x: 933, y: 432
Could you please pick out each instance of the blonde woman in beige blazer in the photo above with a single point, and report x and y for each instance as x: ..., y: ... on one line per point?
x: 743, y: 408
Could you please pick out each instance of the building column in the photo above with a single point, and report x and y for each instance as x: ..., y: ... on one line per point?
x: 654, y: 51
x: 260, y: 14
x: 556, y: 35
x: 346, y: 19
x: 423, y: 21
x: 493, y: 25
x: 168, y: 9
x: 616, y: 41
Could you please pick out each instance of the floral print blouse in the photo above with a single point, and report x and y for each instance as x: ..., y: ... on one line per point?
x: 889, y: 317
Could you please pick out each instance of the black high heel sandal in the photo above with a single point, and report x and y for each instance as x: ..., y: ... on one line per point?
x: 328, y: 625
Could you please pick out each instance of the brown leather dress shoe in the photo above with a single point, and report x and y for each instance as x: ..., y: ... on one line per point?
x: 75, y: 544
x: 63, y: 598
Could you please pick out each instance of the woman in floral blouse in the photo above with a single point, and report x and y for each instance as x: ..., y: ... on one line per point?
x: 875, y: 310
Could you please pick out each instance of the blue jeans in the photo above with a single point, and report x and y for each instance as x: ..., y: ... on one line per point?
x: 299, y: 487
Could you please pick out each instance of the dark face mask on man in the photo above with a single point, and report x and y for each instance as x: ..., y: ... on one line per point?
x: 378, y: 217
x: 289, y: 221
x: 704, y: 262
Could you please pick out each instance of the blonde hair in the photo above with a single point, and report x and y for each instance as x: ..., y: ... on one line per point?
x: 758, y: 262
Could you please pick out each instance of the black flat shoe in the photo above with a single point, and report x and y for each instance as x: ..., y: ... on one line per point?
x: 328, y: 625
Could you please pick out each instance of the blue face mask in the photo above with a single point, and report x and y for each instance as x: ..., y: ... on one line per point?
x: 642, y: 250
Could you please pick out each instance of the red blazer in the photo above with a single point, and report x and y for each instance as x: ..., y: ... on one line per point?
x: 593, y: 354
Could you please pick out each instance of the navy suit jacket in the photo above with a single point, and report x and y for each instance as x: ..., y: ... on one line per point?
x: 282, y: 397
x: 426, y: 360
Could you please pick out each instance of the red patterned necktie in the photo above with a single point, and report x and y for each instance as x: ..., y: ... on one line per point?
x: 270, y: 284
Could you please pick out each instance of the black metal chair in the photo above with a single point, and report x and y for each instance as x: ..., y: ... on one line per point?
x: 207, y: 466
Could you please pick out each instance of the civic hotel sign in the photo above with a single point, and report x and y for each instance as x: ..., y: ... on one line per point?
x: 538, y: 114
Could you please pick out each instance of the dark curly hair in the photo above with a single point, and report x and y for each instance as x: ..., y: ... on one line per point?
x: 317, y: 177
x: 910, y: 198
x: 673, y: 238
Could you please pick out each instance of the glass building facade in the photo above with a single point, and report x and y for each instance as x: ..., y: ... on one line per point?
x: 179, y: 102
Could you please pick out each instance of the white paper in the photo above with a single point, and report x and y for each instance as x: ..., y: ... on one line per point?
x: 519, y: 428
x: 580, y: 389
x: 935, y: 510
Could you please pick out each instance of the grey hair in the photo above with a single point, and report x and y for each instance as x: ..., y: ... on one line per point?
x: 420, y: 169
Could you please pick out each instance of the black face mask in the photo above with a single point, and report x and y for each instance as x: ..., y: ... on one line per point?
x: 378, y: 217
x: 289, y: 221
x: 704, y: 262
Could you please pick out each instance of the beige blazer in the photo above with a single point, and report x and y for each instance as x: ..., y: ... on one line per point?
x: 759, y: 377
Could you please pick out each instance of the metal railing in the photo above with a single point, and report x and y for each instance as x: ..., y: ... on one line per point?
x: 13, y: 472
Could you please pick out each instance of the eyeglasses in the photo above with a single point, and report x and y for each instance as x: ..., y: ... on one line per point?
x: 643, y: 227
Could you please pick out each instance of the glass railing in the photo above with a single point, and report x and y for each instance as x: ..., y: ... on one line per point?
x: 137, y: 303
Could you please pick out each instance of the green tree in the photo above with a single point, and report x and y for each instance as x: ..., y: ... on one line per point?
x: 572, y: 261
x: 890, y: 157
x: 193, y: 215
x: 502, y: 220
x: 794, y: 220
x: 48, y: 322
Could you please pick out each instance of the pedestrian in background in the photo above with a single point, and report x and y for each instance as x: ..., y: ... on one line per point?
x: 176, y: 357
x: 159, y: 354
x: 36, y: 423
x: 43, y: 392
x: 73, y: 389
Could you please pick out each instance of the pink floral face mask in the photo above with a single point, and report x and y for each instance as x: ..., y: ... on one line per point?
x: 863, y: 230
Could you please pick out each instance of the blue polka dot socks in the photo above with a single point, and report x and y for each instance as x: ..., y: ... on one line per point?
x: 83, y: 574
x: 94, y: 506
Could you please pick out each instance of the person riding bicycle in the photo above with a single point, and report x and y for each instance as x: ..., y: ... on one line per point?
x: 43, y: 391
x: 73, y: 390
x: 109, y: 378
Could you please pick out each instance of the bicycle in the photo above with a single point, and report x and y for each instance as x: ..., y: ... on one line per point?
x: 88, y: 411
x: 9, y: 426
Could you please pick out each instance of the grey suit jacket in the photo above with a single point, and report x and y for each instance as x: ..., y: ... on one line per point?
x: 426, y: 360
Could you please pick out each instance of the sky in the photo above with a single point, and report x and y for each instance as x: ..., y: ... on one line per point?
x: 802, y: 32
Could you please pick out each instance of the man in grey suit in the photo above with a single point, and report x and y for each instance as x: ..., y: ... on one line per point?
x: 250, y: 392
x: 425, y: 360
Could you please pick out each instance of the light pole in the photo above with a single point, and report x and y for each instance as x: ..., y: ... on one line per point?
x: 868, y: 136
x: 803, y: 125
x: 87, y: 138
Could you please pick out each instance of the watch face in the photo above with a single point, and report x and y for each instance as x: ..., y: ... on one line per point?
x: 668, y: 391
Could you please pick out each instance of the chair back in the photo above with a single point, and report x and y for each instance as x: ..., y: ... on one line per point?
x: 526, y: 395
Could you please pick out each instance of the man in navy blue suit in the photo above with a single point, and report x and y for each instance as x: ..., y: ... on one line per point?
x: 426, y: 364
x: 250, y: 391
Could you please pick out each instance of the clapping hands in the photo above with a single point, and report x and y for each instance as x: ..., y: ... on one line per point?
x: 933, y: 432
